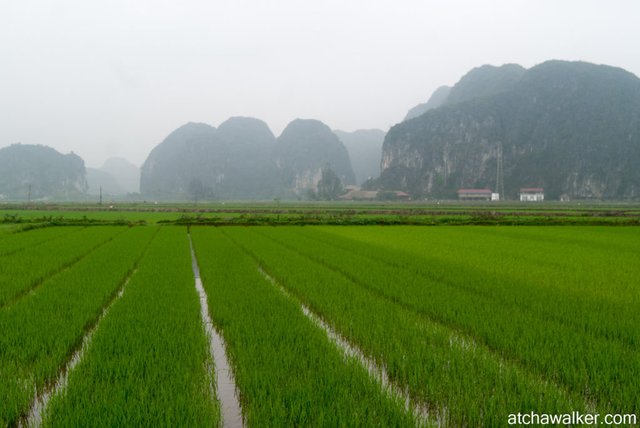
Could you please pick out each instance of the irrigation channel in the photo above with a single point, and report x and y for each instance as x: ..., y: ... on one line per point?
x: 225, y: 384
x: 376, y: 371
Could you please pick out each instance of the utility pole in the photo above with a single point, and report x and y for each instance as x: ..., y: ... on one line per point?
x: 499, y: 173
x: 100, y: 203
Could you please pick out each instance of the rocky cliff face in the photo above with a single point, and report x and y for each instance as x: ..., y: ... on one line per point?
x: 304, y: 148
x: 570, y: 127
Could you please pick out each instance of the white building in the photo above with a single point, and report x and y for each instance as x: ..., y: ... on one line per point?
x: 534, y: 194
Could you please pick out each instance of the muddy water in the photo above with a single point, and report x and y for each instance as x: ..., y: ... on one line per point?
x: 225, y: 385
x: 376, y: 372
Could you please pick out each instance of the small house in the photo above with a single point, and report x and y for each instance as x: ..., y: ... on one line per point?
x: 533, y: 194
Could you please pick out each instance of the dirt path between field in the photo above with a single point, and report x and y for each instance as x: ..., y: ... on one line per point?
x: 225, y: 383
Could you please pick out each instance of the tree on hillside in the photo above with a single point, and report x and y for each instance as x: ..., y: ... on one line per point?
x: 329, y: 186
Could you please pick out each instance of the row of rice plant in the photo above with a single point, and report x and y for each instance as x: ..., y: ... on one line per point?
x: 12, y: 242
x: 148, y: 363
x: 40, y: 331
x: 558, y: 301
x: 287, y: 371
x: 534, y: 268
x: 460, y: 381
x: 22, y: 270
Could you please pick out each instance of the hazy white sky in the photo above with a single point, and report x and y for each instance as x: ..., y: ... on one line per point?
x: 114, y: 77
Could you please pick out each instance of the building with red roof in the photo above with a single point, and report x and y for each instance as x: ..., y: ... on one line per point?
x: 475, y: 194
x: 532, y: 194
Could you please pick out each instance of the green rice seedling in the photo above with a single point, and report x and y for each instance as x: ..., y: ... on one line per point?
x: 550, y: 308
x: 562, y: 301
x: 23, y: 270
x: 148, y: 361
x: 287, y: 371
x: 11, y: 243
x: 458, y: 377
x: 41, y: 331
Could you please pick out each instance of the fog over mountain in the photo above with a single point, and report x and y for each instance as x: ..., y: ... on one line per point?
x: 126, y: 174
x: 243, y: 160
x: 438, y: 98
x: 178, y: 161
x: 365, y: 151
x: 572, y: 128
x: 113, y: 78
x: 101, y: 181
x: 33, y: 172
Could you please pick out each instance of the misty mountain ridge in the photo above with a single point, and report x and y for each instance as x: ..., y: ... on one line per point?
x: 485, y: 81
x: 365, y: 150
x: 101, y: 181
x: 480, y: 82
x: 35, y: 172
x: 572, y: 128
x: 438, y: 98
x: 126, y: 174
x: 242, y: 159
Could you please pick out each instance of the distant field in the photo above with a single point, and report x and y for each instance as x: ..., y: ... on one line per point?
x: 470, y: 323
x: 347, y: 213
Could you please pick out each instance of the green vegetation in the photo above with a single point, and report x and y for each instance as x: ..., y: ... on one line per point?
x: 42, y: 329
x: 88, y: 215
x: 6, y: 229
x: 329, y: 186
x: 147, y: 364
x: 287, y: 372
x: 552, y: 301
x: 459, y: 379
x: 473, y: 323
x: 13, y: 242
x: 23, y: 269
x: 429, y: 213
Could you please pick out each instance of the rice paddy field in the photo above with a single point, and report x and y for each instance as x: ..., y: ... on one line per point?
x: 320, y: 325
